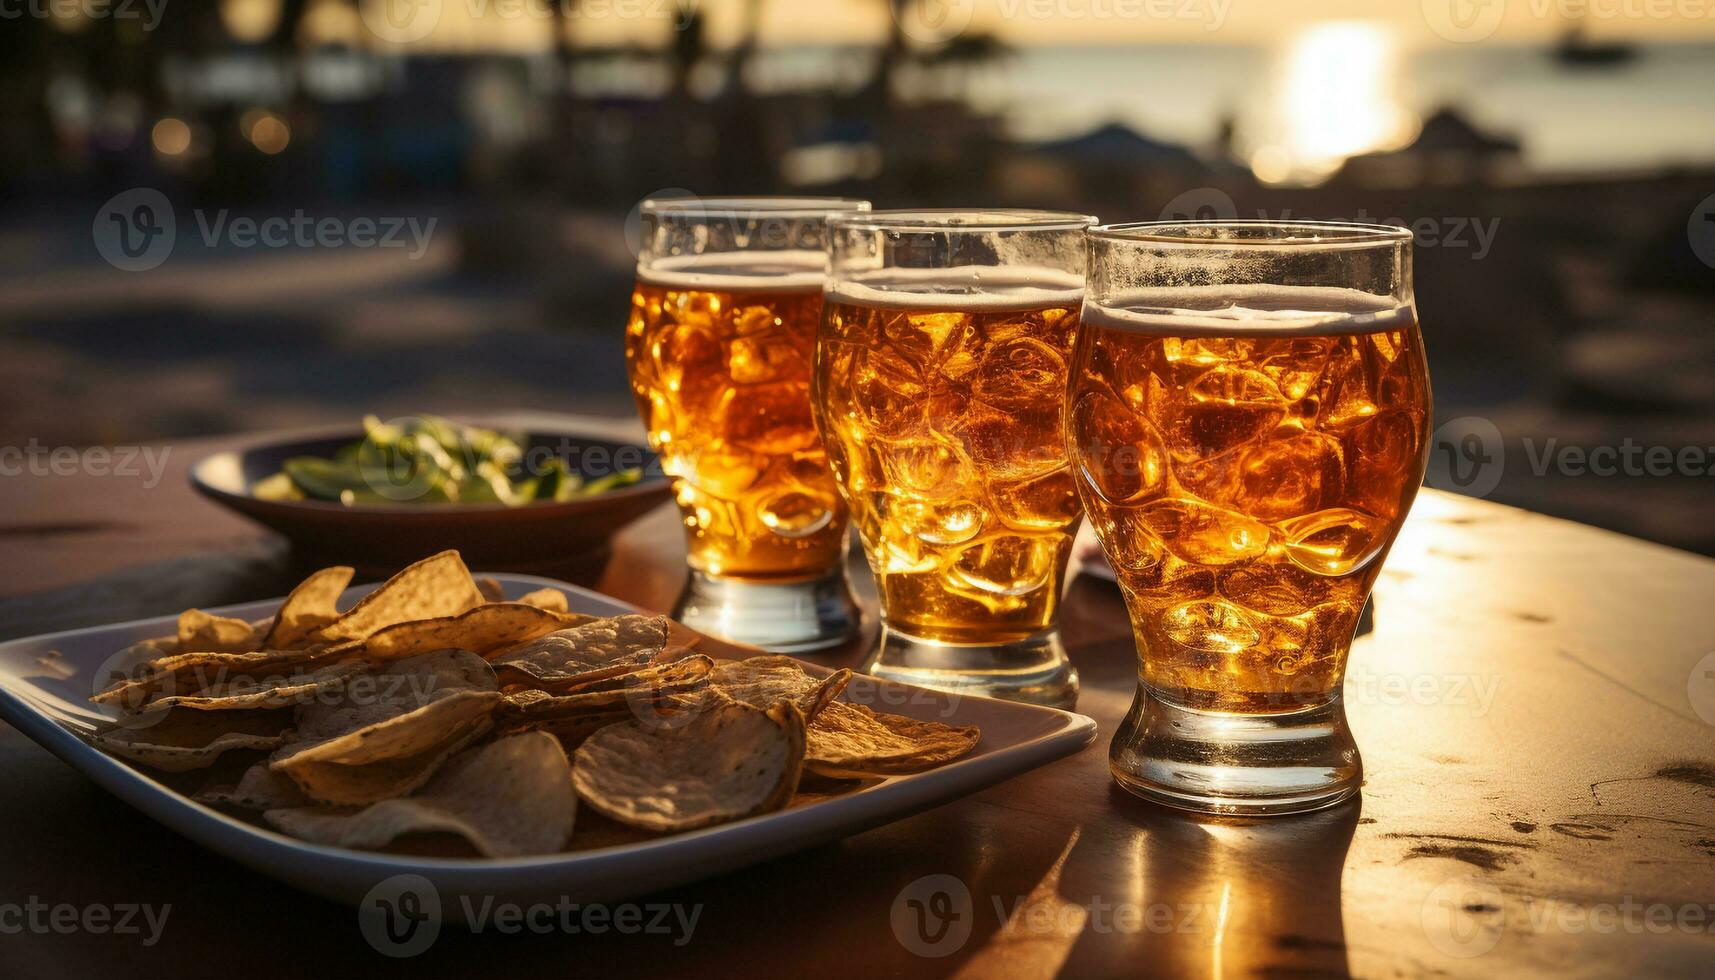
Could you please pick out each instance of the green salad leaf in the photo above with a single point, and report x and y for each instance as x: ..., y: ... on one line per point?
x: 431, y: 460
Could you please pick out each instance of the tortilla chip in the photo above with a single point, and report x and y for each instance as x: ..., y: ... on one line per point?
x: 491, y: 589
x: 311, y: 606
x: 260, y: 788
x: 480, y: 629
x: 638, y: 690
x: 550, y: 599
x: 598, y: 649
x: 382, y: 779
x: 182, y: 739
x: 727, y: 762
x: 201, y: 632
x: 761, y: 681
x: 403, y: 721
x: 509, y: 798
x: 393, y: 690
x: 299, y: 687
x: 851, y: 741
x: 434, y: 587
x: 190, y: 673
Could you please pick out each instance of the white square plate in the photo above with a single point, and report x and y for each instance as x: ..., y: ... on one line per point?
x: 45, y: 695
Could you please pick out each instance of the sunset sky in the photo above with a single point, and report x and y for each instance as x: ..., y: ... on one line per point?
x: 521, y: 24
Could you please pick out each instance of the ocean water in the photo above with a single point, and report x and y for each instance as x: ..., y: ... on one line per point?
x: 1656, y: 110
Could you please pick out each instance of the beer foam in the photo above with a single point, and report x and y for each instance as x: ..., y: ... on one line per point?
x: 739, y: 272
x: 1226, y: 311
x: 967, y: 289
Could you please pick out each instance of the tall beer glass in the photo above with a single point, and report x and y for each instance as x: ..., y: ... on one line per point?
x: 940, y: 383
x: 720, y: 346
x: 1249, y: 419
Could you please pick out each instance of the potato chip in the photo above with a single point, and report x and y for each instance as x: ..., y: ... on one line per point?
x: 182, y: 739
x: 550, y: 599
x: 299, y: 687
x: 509, y: 798
x: 382, y: 779
x: 434, y: 587
x: 761, y: 681
x: 480, y: 629
x: 260, y: 788
x: 726, y: 762
x: 311, y: 606
x: 190, y: 673
x: 596, y: 650
x: 851, y: 741
x: 201, y: 632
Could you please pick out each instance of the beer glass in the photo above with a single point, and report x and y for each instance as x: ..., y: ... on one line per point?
x: 720, y: 346
x: 940, y: 386
x: 1249, y: 418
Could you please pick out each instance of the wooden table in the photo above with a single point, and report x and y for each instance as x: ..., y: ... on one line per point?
x: 1536, y: 709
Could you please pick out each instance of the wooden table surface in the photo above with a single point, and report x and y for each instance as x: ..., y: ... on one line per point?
x: 1535, y: 707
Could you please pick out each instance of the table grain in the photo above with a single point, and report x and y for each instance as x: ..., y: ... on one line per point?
x: 1535, y: 708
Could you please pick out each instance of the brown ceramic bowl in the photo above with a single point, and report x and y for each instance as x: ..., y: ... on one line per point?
x: 490, y: 536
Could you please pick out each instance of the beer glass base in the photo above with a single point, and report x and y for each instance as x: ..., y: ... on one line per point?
x: 1034, y: 669
x: 781, y: 617
x: 1244, y: 765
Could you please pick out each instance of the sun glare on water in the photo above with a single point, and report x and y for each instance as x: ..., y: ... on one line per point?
x: 1336, y: 96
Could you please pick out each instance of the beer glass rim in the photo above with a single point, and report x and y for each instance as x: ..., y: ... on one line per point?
x: 761, y: 206
x: 963, y: 219
x: 1254, y: 233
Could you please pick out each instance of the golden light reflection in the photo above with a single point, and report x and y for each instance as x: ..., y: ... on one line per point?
x: 330, y: 22
x: 1022, y: 945
x: 171, y: 137
x: 1338, y: 96
x: 267, y: 131
x: 250, y: 21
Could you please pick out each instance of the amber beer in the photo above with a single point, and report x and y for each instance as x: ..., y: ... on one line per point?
x: 944, y: 413
x: 1246, y: 469
x: 720, y: 365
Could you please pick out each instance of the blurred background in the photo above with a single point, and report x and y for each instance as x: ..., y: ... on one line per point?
x: 230, y: 215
